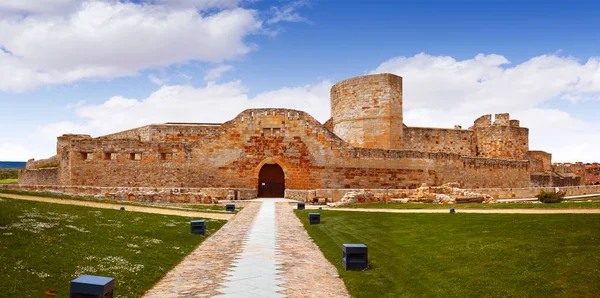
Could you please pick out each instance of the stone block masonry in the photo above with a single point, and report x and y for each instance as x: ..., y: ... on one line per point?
x: 364, y: 145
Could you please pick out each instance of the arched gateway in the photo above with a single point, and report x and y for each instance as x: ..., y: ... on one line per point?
x: 271, y: 181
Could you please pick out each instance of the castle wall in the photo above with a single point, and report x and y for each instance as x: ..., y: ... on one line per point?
x: 139, y: 133
x: 367, y: 111
x: 45, y: 176
x: 540, y: 161
x: 311, y: 156
x: 456, y: 141
x: 165, y: 132
x: 500, y: 139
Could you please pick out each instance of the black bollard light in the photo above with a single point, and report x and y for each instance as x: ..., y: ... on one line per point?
x: 92, y: 286
x: 198, y: 227
x: 355, y: 256
x: 452, y: 211
x: 122, y: 208
x: 314, y: 218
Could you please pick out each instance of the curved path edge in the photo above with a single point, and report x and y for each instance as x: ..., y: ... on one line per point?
x: 117, y: 206
x: 458, y: 210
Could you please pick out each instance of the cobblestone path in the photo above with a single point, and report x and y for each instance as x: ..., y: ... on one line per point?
x: 201, y: 272
x: 306, y: 272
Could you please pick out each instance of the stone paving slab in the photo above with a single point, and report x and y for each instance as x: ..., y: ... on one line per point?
x: 201, y: 272
x: 256, y: 268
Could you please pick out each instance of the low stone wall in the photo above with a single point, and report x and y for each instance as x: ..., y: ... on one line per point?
x: 212, y: 195
x: 45, y: 176
x: 333, y: 195
x: 530, y: 192
x: 144, y: 194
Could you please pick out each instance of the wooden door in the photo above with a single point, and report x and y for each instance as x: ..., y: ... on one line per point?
x: 271, y: 181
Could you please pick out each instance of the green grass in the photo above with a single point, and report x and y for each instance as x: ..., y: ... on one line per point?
x: 44, y: 246
x: 566, y: 204
x: 465, y: 255
x: 188, y: 207
x: 4, y: 181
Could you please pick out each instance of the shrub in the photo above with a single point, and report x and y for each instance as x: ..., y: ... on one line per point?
x: 9, y: 174
x: 551, y: 196
x: 48, y: 165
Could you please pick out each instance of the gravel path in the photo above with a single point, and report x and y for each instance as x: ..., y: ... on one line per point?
x: 306, y: 272
x: 458, y: 210
x: 201, y: 272
x: 212, y: 215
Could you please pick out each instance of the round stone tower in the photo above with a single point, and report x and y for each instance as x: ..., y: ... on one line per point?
x: 366, y: 111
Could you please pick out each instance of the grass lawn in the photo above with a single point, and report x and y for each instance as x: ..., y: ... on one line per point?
x: 465, y: 255
x: 595, y: 203
x: 44, y: 246
x: 189, y: 207
x: 4, y: 181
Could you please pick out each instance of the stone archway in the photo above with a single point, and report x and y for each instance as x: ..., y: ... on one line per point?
x: 271, y: 181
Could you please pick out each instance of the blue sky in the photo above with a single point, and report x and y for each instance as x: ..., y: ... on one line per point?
x: 101, y: 66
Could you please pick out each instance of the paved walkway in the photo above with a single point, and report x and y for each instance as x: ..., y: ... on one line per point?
x: 133, y: 208
x: 202, y: 271
x: 256, y: 269
x: 263, y: 251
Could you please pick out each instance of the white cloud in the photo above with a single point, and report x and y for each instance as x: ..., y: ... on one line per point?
x: 212, y: 103
x: 65, y: 7
x: 440, y: 91
x: 287, y: 13
x: 215, y: 73
x: 15, y: 152
x: 109, y: 39
x: 38, y: 7
x: 155, y: 80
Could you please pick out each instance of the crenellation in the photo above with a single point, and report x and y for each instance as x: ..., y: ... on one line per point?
x: 485, y: 120
x: 502, y: 119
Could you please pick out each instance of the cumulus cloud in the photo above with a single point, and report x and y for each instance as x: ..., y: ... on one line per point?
x: 440, y: 91
x: 38, y: 7
x: 107, y: 39
x: 65, y: 7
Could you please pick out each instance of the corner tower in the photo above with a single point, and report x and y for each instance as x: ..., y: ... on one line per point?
x: 366, y: 111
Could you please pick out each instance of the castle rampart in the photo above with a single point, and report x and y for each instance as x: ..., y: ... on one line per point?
x: 364, y: 145
x: 459, y: 141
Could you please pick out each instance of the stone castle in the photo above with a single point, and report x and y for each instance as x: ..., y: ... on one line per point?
x: 270, y: 152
